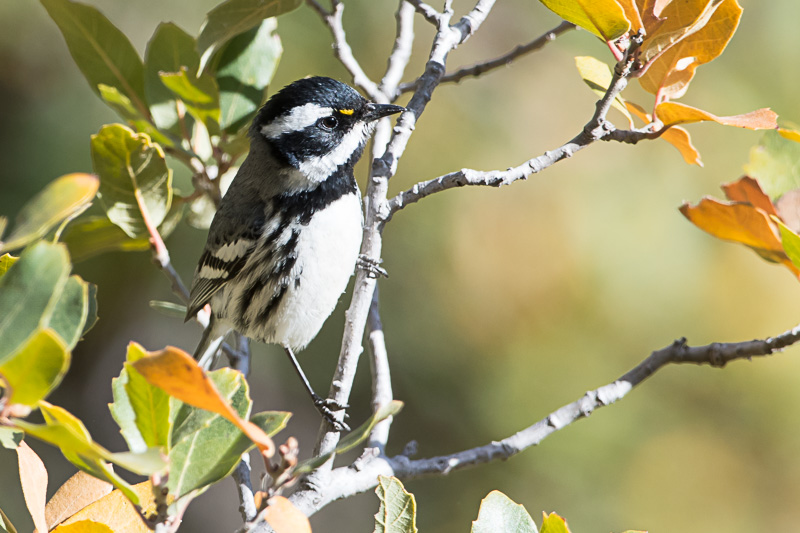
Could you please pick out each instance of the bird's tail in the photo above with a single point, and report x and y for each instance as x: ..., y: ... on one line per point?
x: 206, y: 351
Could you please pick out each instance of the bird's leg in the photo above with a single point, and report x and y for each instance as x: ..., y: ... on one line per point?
x: 371, y: 266
x: 325, y: 406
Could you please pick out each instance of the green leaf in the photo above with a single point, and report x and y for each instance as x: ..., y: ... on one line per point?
x: 499, y: 513
x: 100, y: 50
x: 29, y: 292
x: 58, y: 201
x: 204, y: 447
x: 790, y: 242
x: 71, y: 311
x: 245, y: 68
x: 91, y: 236
x: 140, y: 410
x: 6, y: 260
x: 353, y: 439
x: 199, y: 95
x: 775, y: 163
x: 91, y: 312
x: 597, y: 75
x: 35, y: 369
x: 234, y: 17
x: 604, y: 18
x: 553, y: 523
x: 398, y: 509
x: 169, y: 49
x: 64, y: 430
x: 125, y: 109
x: 5, y: 524
x: 133, y: 177
x: 10, y: 437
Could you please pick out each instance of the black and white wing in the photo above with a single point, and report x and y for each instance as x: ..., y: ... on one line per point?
x: 229, y: 246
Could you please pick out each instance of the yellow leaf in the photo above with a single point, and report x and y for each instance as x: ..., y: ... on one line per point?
x: 85, y: 526
x: 631, y: 11
x: 597, y: 75
x: 76, y: 493
x: 176, y: 373
x: 692, y: 33
x: 284, y: 517
x: 33, y: 477
x: 553, y: 523
x: 676, y: 136
x: 604, y: 18
x: 116, y: 511
x: 792, y: 135
x: 672, y: 113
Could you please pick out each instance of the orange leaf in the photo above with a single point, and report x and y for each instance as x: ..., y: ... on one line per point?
x: 740, y: 223
x: 671, y: 113
x: 676, y: 136
x: 674, y: 61
x: 176, y: 373
x: 284, y: 517
x: 33, y: 477
x: 747, y: 190
x: 632, y: 14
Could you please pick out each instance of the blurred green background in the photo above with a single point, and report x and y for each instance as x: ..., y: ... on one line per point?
x: 502, y: 305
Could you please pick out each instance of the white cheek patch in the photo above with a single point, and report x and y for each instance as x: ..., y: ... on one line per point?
x: 232, y: 250
x: 320, y: 167
x: 297, y: 119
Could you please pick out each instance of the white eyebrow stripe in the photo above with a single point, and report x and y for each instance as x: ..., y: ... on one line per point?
x: 297, y: 119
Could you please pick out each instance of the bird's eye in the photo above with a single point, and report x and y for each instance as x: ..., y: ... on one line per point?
x: 328, y: 123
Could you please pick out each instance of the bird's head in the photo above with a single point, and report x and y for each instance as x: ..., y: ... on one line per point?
x: 317, y: 125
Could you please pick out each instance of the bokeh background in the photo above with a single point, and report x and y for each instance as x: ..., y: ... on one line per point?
x: 502, y: 305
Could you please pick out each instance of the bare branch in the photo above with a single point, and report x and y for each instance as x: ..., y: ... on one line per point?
x: 597, y: 129
x: 429, y: 13
x: 481, y: 68
x: 446, y: 40
x: 401, y: 52
x: 381, y: 376
x: 347, y: 481
x: 244, y: 488
x: 342, y: 50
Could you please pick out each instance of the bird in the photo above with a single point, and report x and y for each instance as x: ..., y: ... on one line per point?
x: 287, y: 233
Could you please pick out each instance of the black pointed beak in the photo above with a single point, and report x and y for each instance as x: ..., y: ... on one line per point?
x: 376, y: 111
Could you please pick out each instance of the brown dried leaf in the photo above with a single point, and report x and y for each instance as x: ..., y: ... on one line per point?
x: 76, y: 493
x: 33, y: 477
x: 284, y: 517
x: 117, y: 512
x: 178, y: 374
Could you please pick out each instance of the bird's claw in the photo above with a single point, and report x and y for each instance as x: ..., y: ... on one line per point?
x: 371, y: 266
x: 326, y: 407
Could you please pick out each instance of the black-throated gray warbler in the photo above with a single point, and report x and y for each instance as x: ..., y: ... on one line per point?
x: 286, y: 236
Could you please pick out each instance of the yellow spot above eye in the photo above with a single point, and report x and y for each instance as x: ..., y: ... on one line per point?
x: 346, y: 111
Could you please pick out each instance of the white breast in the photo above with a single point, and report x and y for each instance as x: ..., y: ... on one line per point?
x: 327, y: 250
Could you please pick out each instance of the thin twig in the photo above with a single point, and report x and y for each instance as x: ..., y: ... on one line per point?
x: 342, y: 50
x: 479, y: 69
x: 401, y: 52
x: 597, y: 129
x: 381, y: 376
x: 428, y: 12
x: 347, y: 481
x: 244, y: 488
